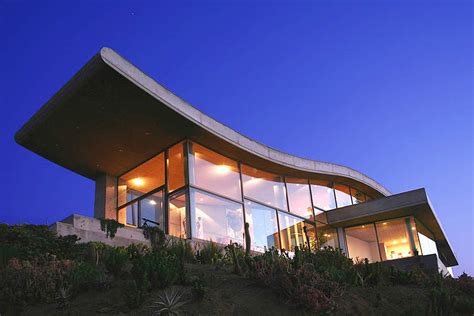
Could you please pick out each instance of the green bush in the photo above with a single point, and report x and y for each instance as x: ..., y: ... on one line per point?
x: 182, y: 250
x: 84, y: 276
x: 209, y: 253
x: 158, y: 269
x: 32, y: 241
x: 115, y: 259
x: 25, y: 282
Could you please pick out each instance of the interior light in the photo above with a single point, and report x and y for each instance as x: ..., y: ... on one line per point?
x: 404, y: 240
x: 395, y: 242
x: 222, y: 169
x: 138, y: 182
x: 385, y: 223
x: 413, y: 228
x: 152, y: 202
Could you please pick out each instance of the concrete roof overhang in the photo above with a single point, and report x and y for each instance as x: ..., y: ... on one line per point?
x: 111, y: 117
x: 412, y: 203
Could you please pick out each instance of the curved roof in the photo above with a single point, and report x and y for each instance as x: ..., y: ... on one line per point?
x: 111, y: 116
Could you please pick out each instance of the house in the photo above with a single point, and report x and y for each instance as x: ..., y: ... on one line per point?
x: 156, y: 160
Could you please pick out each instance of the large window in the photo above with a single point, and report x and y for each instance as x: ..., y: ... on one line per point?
x: 142, y: 179
x: 214, y: 172
x: 264, y: 187
x: 216, y: 219
x: 129, y: 214
x: 323, y: 195
x: 396, y: 239
x: 327, y: 236
x: 357, y: 196
x: 299, y: 197
x: 175, y: 165
x: 263, y: 226
x: 177, y: 216
x: 362, y: 243
x: 292, y: 232
x: 151, y: 210
x: 343, y: 195
x: 426, y: 240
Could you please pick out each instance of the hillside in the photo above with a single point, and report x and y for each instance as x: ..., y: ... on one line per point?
x: 41, y: 274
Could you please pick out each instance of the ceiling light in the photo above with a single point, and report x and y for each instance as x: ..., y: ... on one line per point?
x: 222, y: 169
x: 152, y: 202
x: 138, y: 182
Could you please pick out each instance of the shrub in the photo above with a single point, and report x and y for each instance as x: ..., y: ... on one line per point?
x: 24, y: 282
x: 115, y: 259
x: 110, y: 227
x: 84, y: 276
x: 156, y: 236
x: 169, y: 302
x: 182, y: 250
x: 136, y: 251
x: 31, y: 241
x: 209, y: 253
x: 158, y: 269
x: 297, y: 279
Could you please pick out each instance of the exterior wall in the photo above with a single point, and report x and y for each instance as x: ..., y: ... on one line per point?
x: 105, y: 203
x: 88, y: 229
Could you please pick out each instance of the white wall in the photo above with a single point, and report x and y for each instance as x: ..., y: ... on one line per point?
x: 362, y: 249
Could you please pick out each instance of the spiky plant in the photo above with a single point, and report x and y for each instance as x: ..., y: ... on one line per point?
x: 169, y: 302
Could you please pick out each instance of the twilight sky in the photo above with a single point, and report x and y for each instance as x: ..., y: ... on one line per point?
x: 383, y: 87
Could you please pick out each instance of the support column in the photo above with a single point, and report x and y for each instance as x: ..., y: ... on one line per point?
x: 105, y: 205
x: 342, y: 240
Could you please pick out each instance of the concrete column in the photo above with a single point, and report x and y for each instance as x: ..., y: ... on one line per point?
x: 105, y: 205
x: 342, y: 240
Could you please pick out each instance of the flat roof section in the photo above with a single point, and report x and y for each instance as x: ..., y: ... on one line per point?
x: 411, y: 203
x: 111, y: 117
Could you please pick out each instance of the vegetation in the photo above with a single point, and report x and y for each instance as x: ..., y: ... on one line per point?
x: 110, y: 227
x: 37, y: 268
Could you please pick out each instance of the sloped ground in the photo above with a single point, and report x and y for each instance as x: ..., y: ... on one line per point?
x: 226, y: 294
x: 230, y: 294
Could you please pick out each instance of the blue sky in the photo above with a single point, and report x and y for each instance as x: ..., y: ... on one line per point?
x: 382, y: 87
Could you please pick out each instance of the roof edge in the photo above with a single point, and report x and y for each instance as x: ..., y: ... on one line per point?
x: 168, y: 98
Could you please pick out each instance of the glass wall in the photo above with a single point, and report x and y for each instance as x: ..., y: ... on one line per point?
x: 175, y: 166
x: 129, y: 214
x: 151, y: 210
x: 323, y: 195
x: 263, y: 226
x: 217, y: 219
x: 214, y: 172
x: 282, y: 212
x: 177, y: 225
x: 362, y: 243
x: 426, y: 240
x: 299, y: 197
x: 264, y: 187
x: 327, y: 236
x: 343, y: 195
x: 357, y: 196
x: 396, y: 239
x: 292, y: 232
x: 141, y: 180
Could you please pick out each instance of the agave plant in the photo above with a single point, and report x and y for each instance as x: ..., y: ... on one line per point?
x: 169, y: 302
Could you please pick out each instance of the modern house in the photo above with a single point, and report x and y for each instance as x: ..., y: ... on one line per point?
x: 157, y: 160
